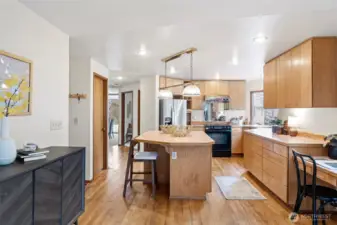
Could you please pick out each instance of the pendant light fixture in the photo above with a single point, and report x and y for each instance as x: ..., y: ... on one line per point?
x: 191, y: 89
x: 165, y: 93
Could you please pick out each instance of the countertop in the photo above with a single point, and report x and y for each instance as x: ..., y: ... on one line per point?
x: 193, y: 138
x: 285, y: 139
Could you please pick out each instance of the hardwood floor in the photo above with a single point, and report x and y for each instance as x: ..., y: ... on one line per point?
x: 106, y: 206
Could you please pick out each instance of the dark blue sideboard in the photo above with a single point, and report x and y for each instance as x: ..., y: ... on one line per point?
x: 44, y: 192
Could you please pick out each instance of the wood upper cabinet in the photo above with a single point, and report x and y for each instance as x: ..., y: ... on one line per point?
x: 237, y: 93
x: 197, y: 102
x: 211, y: 87
x: 305, y: 76
x: 223, y: 87
x: 171, y: 82
x: 270, y: 84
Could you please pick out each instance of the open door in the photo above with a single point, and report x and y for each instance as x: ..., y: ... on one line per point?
x: 100, y: 123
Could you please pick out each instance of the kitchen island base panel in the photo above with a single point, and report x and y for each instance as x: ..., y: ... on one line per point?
x: 189, y: 175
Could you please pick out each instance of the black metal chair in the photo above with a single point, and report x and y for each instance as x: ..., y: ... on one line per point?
x: 140, y: 157
x: 324, y: 194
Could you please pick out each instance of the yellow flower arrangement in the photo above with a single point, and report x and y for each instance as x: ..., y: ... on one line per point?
x: 13, y: 96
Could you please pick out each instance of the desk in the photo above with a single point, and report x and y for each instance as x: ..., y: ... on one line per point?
x: 325, y: 174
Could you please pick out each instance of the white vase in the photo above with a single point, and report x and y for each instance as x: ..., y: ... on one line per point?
x: 7, y: 144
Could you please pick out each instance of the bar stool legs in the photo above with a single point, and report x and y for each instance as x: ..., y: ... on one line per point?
x: 140, y: 157
x: 153, y: 168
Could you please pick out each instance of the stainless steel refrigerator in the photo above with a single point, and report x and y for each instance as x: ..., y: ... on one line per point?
x: 172, y: 112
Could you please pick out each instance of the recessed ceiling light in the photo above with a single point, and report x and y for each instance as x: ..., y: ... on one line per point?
x: 119, y: 78
x: 260, y: 38
x: 172, y: 70
x: 142, y: 50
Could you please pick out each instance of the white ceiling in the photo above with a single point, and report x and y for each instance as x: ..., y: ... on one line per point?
x: 112, y: 32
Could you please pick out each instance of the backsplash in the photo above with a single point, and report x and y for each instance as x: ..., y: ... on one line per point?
x: 198, y: 115
x: 317, y: 120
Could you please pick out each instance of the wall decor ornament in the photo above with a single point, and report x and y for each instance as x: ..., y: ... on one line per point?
x: 13, y: 70
x: 15, y: 92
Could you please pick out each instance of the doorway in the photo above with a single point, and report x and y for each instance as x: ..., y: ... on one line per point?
x: 100, y: 121
x: 127, y: 117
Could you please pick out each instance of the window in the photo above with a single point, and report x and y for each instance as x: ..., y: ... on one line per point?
x: 259, y: 115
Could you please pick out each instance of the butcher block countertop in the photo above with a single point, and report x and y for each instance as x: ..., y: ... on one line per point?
x: 285, y: 139
x: 193, y: 138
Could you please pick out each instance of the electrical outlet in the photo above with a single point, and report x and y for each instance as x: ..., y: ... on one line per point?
x: 56, y: 125
x: 174, y: 155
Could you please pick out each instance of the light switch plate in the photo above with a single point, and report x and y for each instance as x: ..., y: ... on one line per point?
x: 56, y: 125
x: 174, y: 155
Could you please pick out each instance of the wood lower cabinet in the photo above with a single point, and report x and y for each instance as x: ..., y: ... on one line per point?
x: 266, y: 165
x: 237, y: 140
x: 273, y: 164
x: 304, y: 76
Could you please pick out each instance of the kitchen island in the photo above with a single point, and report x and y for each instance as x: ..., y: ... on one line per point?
x: 184, y: 163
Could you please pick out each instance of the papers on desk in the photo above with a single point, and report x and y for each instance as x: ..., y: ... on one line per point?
x: 329, y: 164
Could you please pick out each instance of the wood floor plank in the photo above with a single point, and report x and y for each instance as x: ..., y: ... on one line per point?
x: 106, y: 206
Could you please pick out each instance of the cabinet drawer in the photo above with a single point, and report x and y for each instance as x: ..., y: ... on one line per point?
x: 268, y: 145
x: 274, y: 185
x: 281, y: 150
x: 275, y: 170
x: 256, y: 149
x: 275, y: 158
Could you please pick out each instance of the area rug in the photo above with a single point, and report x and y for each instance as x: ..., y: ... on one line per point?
x: 238, y: 188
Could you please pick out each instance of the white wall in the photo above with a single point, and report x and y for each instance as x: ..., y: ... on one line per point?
x: 26, y: 34
x: 252, y: 85
x: 318, y: 120
x: 134, y: 89
x: 81, y: 114
x: 149, y: 110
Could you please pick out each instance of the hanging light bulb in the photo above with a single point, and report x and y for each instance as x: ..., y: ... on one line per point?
x: 165, y: 93
x: 191, y: 90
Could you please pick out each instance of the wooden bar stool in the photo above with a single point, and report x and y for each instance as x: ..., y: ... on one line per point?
x: 140, y: 157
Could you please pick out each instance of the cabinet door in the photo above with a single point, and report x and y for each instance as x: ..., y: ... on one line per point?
x: 237, y: 141
x: 223, y: 88
x: 48, y: 183
x: 246, y: 150
x: 179, y: 89
x: 270, y: 85
x: 237, y: 92
x: 73, y: 187
x: 16, y: 200
x: 161, y: 82
x: 211, y: 88
x: 299, y: 94
x: 284, y: 73
x: 197, y: 103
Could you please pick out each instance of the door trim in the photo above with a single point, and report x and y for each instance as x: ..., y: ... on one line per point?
x: 123, y: 115
x: 138, y: 106
x: 105, y: 121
